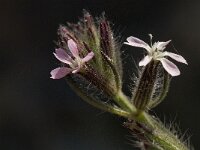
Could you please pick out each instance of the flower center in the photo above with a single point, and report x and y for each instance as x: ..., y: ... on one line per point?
x: 77, y: 62
x: 156, y: 54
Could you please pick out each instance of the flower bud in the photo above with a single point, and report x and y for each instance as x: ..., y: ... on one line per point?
x: 161, y: 88
x: 103, y: 71
x: 151, y: 86
x: 144, y: 86
x: 109, y: 45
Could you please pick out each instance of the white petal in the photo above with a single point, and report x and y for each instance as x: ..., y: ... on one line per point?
x: 162, y: 45
x: 88, y: 57
x: 145, y: 60
x: 76, y: 70
x: 60, y: 72
x: 170, y: 67
x: 133, y: 41
x: 176, y: 57
x: 73, y: 48
x: 61, y: 55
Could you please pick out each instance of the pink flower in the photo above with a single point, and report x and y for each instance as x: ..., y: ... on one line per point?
x: 74, y: 63
x: 155, y: 52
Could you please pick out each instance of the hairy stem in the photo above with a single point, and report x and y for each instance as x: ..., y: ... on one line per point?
x: 124, y: 102
x: 159, y: 135
x: 163, y: 137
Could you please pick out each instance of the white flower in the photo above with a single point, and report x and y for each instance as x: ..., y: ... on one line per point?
x: 155, y: 52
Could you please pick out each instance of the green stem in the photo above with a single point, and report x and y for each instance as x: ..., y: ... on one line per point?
x: 164, y: 138
x: 159, y: 134
x: 125, y: 103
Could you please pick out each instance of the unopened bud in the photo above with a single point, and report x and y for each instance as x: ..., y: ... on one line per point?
x: 145, y: 85
x: 151, y: 86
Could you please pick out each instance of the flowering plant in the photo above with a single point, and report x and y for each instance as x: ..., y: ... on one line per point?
x: 89, y: 53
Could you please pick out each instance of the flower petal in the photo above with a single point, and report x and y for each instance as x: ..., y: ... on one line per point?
x: 62, y: 56
x: 170, y: 67
x: 60, y: 72
x: 133, y: 41
x: 73, y: 48
x: 176, y: 57
x: 76, y: 70
x: 162, y: 45
x: 145, y: 60
x: 88, y: 57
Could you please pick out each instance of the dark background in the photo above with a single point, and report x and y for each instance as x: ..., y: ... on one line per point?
x: 38, y: 113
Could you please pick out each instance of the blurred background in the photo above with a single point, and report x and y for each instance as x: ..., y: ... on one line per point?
x: 38, y: 113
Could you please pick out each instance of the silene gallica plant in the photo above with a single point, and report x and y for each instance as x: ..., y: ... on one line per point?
x: 90, y: 62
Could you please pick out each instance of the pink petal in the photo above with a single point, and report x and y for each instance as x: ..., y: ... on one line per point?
x: 60, y: 72
x: 170, y: 67
x: 76, y: 70
x: 133, y: 41
x: 88, y: 57
x: 145, y: 60
x: 73, y: 48
x: 62, y: 56
x: 176, y: 57
x: 162, y: 45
